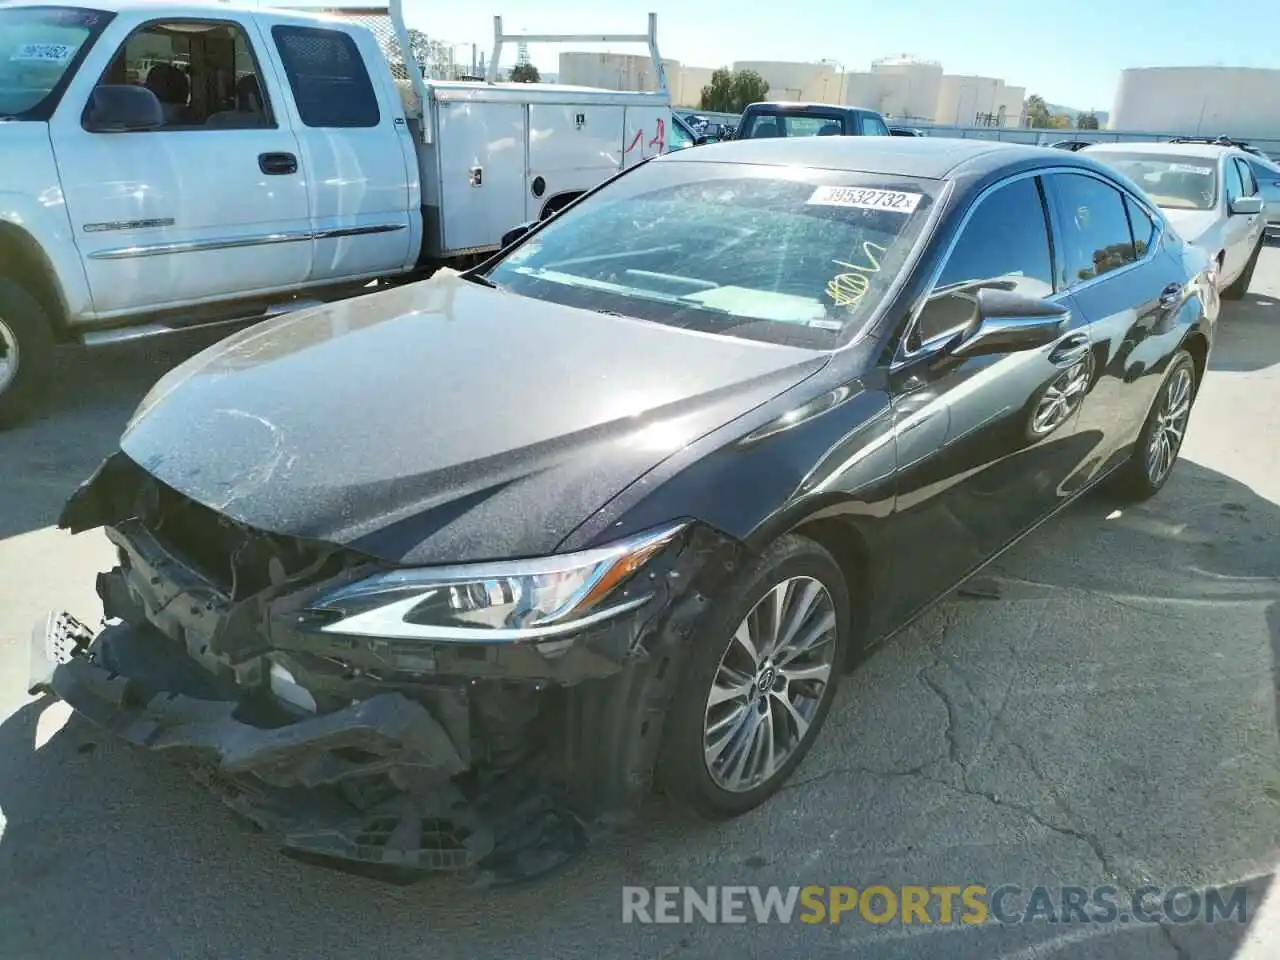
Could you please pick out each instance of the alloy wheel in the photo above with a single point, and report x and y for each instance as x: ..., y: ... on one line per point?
x: 1170, y: 425
x: 8, y: 356
x: 770, y: 684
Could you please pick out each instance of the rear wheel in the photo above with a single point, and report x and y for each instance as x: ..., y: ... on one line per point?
x: 26, y: 350
x: 759, y: 681
x: 1240, y: 286
x: 1156, y: 452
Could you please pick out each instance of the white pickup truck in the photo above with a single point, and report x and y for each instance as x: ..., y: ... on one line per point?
x: 169, y: 165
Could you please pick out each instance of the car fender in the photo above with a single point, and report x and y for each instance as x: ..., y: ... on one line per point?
x: 40, y: 229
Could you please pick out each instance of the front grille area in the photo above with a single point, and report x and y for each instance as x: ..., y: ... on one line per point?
x: 239, y: 560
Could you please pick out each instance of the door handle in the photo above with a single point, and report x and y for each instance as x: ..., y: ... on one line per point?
x: 277, y: 164
x: 1070, y: 349
x: 1171, y: 296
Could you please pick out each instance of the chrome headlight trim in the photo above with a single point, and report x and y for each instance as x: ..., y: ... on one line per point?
x: 554, y: 595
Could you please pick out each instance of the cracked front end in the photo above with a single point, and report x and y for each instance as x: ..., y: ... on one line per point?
x: 399, y: 720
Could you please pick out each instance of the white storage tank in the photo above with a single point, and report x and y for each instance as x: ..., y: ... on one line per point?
x: 818, y: 82
x: 908, y: 87
x: 615, y: 71
x: 1011, y: 106
x: 1211, y: 101
x: 963, y: 99
x: 692, y: 80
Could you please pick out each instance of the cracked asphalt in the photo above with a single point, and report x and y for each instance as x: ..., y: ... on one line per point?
x: 1097, y: 708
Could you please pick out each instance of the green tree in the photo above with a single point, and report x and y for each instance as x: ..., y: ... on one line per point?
x: 730, y: 91
x: 1087, y: 121
x: 525, y: 73
x: 434, y: 57
x: 1038, y: 112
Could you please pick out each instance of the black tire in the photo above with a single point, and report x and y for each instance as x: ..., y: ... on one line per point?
x: 683, y: 770
x: 24, y: 324
x: 1134, y: 481
x: 1240, y: 286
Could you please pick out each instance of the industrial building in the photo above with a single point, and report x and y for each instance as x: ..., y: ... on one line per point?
x: 901, y: 87
x: 1239, y: 101
x: 617, y: 71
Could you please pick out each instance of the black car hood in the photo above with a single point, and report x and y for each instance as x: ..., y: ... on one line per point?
x: 442, y: 421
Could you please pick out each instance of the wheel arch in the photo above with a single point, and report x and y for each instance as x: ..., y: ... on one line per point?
x: 22, y: 258
x: 1197, y: 344
x: 840, y: 526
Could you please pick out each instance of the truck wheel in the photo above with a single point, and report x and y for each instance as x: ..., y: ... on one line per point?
x: 26, y: 349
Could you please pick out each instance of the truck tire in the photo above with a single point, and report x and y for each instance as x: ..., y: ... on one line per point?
x: 26, y: 350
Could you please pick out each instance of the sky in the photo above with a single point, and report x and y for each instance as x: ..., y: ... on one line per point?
x: 1069, y: 53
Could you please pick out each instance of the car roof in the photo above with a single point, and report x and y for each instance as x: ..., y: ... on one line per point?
x: 809, y: 105
x: 1206, y: 151
x: 930, y: 158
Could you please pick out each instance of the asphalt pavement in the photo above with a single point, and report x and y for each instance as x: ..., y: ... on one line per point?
x: 1100, y: 710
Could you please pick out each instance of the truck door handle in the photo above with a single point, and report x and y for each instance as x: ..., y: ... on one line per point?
x: 1070, y: 349
x: 1171, y: 295
x: 277, y: 164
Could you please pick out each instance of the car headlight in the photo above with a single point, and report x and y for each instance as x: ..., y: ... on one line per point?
x: 493, y: 602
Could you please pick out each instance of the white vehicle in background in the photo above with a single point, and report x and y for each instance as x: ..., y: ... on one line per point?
x: 167, y: 165
x: 1208, y: 192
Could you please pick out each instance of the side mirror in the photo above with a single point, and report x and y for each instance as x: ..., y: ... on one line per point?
x: 1246, y: 206
x: 705, y: 139
x: 517, y: 233
x: 1008, y: 322
x: 122, y: 108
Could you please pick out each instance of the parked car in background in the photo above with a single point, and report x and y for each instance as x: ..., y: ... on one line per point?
x: 1072, y: 145
x: 1208, y: 192
x: 785, y: 119
x: 432, y: 621
x: 1267, y: 173
x: 324, y: 164
x: 1221, y: 142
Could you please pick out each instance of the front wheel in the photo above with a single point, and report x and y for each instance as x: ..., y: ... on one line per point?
x: 759, y: 681
x: 1240, y: 286
x: 1151, y: 463
x: 26, y: 350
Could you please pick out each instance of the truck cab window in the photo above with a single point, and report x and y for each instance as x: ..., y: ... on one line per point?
x: 330, y: 83
x: 203, y: 73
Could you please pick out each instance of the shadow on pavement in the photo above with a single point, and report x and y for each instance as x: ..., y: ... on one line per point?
x: 106, y: 851
x: 1248, y: 335
x: 45, y: 456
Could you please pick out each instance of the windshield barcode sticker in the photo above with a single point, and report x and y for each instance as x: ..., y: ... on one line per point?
x: 864, y: 198
x: 43, y: 53
x: 1191, y: 168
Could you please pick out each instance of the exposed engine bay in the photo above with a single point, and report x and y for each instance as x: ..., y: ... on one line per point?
x: 388, y: 756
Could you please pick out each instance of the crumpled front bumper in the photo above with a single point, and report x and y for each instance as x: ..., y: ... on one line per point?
x: 373, y: 787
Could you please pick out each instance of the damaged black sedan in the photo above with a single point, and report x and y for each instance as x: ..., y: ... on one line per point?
x: 441, y: 577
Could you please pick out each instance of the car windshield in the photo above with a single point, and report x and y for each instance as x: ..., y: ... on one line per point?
x: 785, y: 255
x: 1172, y: 181
x: 764, y: 125
x: 38, y: 48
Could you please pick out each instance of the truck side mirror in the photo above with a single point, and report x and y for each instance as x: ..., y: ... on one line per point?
x: 122, y: 108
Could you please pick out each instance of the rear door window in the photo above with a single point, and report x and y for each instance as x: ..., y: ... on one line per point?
x: 1142, y: 227
x: 327, y: 75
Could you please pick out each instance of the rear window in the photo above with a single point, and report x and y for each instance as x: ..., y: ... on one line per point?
x: 327, y: 75
x: 788, y: 256
x: 763, y: 125
x: 1172, y: 181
